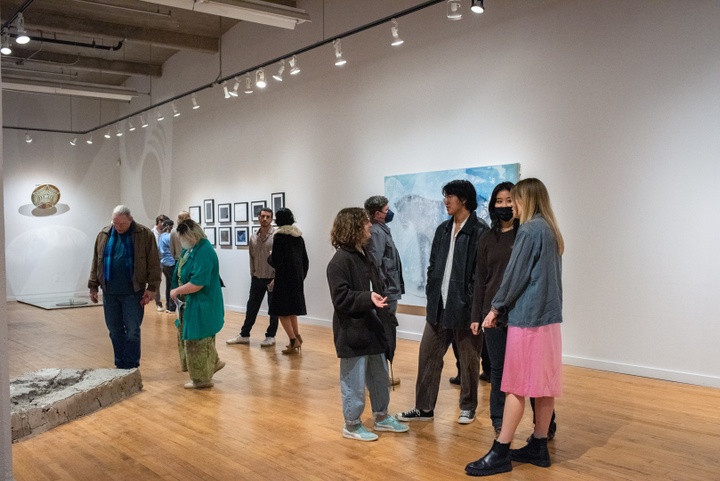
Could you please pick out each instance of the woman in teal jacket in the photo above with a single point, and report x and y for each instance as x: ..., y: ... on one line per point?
x: 196, y: 284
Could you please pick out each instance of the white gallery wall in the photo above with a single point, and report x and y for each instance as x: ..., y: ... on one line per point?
x: 613, y: 104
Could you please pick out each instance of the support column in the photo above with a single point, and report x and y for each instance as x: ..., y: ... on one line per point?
x: 5, y: 427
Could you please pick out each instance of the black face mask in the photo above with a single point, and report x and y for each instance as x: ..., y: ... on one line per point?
x: 504, y: 213
x: 389, y: 216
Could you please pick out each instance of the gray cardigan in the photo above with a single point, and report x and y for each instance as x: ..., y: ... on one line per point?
x: 531, y: 290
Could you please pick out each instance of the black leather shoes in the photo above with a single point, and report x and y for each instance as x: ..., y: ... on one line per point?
x: 455, y: 380
x: 535, y: 452
x: 496, y: 461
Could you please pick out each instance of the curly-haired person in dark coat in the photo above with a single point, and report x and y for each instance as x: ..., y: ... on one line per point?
x: 358, y: 330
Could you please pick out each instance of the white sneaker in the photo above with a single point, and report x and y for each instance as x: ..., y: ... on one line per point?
x: 238, y: 340
x: 160, y: 308
x: 267, y: 342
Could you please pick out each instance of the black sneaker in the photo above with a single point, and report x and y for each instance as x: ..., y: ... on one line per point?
x: 415, y: 414
x: 455, y: 380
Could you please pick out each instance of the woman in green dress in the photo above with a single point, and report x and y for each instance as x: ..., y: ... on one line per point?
x: 196, y: 285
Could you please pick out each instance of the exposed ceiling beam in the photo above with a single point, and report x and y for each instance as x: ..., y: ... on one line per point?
x: 75, y: 62
x: 248, y: 10
x: 50, y: 21
x: 70, y: 89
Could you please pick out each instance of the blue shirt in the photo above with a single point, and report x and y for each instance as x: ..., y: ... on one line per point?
x: 531, y: 289
x: 166, y: 257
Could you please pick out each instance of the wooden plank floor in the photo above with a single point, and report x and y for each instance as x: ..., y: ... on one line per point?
x: 275, y: 417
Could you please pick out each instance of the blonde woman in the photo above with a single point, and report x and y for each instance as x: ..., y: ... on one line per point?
x: 196, y: 282
x: 531, y: 295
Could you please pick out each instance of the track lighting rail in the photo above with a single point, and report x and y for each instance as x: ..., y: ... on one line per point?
x: 220, y: 80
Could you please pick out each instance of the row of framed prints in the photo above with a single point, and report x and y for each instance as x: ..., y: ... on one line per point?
x: 223, y: 235
x: 239, y: 212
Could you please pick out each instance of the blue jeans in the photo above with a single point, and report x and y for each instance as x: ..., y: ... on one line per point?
x: 355, y: 374
x: 123, y: 316
x: 258, y: 288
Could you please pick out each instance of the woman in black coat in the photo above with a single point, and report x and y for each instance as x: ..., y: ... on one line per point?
x: 290, y: 260
x: 358, y: 330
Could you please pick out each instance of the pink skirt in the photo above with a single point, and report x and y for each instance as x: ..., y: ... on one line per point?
x: 533, y: 361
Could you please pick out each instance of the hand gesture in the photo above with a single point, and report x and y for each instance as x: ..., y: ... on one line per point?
x: 378, y: 300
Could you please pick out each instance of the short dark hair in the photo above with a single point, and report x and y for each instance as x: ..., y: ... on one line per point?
x: 266, y: 209
x: 375, y: 204
x: 167, y: 225
x: 464, y: 190
x: 284, y: 216
x: 161, y: 218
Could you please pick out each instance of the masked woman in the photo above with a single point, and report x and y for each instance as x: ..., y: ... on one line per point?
x: 358, y: 331
x: 531, y: 296
x: 196, y: 284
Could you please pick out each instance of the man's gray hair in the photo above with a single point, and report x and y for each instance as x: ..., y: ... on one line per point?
x: 375, y: 204
x: 122, y: 210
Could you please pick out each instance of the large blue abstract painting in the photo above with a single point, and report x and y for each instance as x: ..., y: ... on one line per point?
x: 418, y: 203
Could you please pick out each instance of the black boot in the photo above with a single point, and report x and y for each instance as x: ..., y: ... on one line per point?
x: 535, y: 452
x: 497, y: 460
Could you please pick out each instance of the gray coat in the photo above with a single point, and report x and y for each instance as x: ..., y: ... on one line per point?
x: 386, y: 257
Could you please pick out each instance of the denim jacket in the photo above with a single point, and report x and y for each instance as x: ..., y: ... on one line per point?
x: 531, y: 290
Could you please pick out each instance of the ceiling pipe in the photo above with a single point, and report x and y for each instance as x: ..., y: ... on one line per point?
x: 94, y: 45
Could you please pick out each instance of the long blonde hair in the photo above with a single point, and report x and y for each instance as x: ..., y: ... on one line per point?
x: 532, y: 197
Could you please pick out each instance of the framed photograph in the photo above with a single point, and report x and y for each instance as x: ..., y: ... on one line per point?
x: 256, y: 207
x: 277, y: 201
x: 210, y: 233
x: 241, y: 212
x: 224, y: 233
x: 242, y: 236
x: 209, y: 211
x: 224, y: 213
x: 195, y: 213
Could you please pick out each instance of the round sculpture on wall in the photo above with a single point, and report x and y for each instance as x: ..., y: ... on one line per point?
x: 45, y: 196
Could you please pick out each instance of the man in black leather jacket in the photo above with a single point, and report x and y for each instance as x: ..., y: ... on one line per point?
x: 450, y: 284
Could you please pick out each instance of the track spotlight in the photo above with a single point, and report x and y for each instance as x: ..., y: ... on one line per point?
x: 160, y: 116
x: 73, y: 142
x: 477, y: 6
x: 234, y: 91
x: 143, y: 122
x: 28, y: 139
x: 225, y: 90
x: 89, y: 140
x: 5, y: 50
x: 260, y: 79
x: 118, y: 132
x: 396, y: 38
x: 194, y: 102
x: 22, y: 37
x: 278, y: 75
x: 248, y: 84
x: 454, y: 9
x: 176, y: 112
x: 339, y: 60
x: 131, y: 127
x: 294, y: 68
x: 107, y: 134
